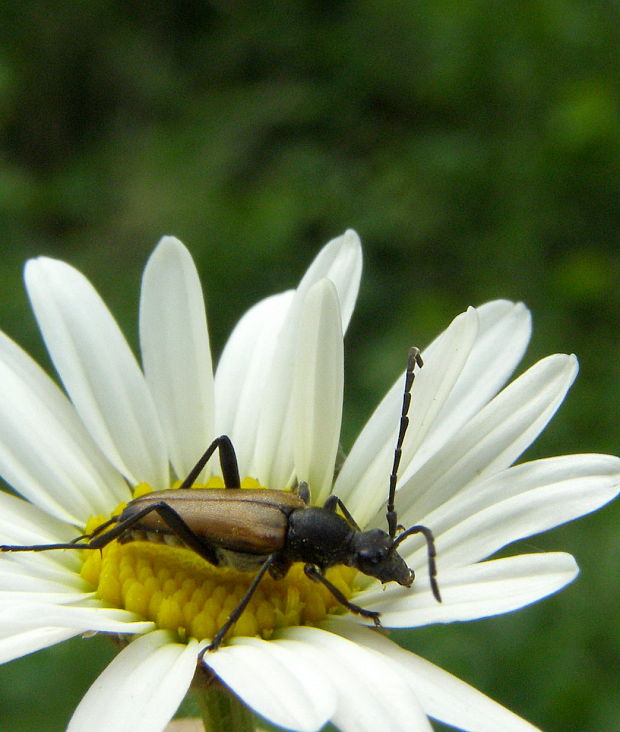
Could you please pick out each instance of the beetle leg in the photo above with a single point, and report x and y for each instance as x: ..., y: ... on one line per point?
x: 332, y: 502
x: 314, y: 574
x: 238, y: 611
x: 99, y: 530
x: 43, y: 547
x: 228, y: 462
x: 174, y: 521
x: 73, y: 544
x: 98, y: 540
x: 303, y: 492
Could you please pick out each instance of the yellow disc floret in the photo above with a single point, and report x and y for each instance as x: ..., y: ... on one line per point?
x: 180, y: 591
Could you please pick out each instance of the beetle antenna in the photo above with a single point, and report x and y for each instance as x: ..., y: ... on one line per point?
x: 431, y: 552
x: 413, y: 359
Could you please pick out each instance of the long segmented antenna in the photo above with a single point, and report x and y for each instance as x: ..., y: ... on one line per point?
x: 413, y: 359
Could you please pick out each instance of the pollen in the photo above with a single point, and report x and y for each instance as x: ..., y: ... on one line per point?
x: 182, y: 592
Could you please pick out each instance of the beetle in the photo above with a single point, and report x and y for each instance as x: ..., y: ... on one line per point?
x: 266, y: 530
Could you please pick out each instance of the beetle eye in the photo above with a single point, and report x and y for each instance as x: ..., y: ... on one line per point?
x: 372, y: 556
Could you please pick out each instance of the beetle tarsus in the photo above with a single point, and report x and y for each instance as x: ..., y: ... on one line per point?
x: 41, y: 547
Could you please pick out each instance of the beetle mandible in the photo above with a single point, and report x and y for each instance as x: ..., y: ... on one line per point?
x: 268, y: 530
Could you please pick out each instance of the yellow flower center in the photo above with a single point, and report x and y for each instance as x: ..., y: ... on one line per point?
x: 180, y: 591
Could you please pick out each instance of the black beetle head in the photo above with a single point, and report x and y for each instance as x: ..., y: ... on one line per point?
x: 375, y: 555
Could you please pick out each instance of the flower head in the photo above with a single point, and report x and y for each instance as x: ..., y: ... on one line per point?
x: 296, y: 655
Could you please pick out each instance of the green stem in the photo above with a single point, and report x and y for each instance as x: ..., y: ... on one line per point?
x: 223, y: 711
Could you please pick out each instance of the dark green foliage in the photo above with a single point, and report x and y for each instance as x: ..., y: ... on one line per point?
x: 474, y: 146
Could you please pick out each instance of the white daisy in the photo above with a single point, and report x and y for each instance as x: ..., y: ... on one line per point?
x: 295, y: 656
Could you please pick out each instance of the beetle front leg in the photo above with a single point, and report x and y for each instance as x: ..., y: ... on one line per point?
x: 314, y: 574
x: 333, y: 502
x: 303, y: 492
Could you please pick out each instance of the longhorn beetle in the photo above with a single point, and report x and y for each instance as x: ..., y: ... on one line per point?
x: 267, y: 530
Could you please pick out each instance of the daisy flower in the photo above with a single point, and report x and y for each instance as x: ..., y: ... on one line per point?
x: 296, y: 656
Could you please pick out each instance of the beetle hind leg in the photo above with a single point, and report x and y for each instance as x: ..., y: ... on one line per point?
x: 228, y: 463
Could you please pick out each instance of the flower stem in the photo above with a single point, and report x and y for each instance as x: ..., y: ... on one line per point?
x: 222, y: 711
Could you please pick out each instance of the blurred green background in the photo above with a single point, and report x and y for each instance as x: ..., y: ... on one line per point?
x: 474, y: 146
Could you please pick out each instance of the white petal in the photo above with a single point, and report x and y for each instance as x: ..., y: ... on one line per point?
x: 339, y: 261
x: 363, y: 480
x: 98, y: 370
x: 33, y: 581
x: 520, y: 502
x: 503, y: 334
x: 372, y: 694
x: 242, y: 373
x: 444, y: 361
x: 141, y: 689
x: 54, y: 566
x: 39, y: 596
x: 443, y: 696
x: 492, y: 439
x: 22, y: 524
x: 20, y: 583
x: 16, y: 645
x: 176, y: 356
x: 476, y: 591
x: 45, y: 452
x: 282, y: 685
x: 19, y: 616
x: 21, y: 578
x: 318, y: 389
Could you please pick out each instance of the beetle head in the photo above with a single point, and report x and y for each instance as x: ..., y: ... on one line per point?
x: 376, y: 556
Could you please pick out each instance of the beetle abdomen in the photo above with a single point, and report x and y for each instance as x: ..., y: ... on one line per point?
x: 242, y: 561
x: 153, y: 537
x: 252, y: 522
